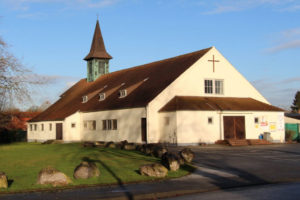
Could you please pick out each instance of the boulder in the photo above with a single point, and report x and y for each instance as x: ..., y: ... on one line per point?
x: 100, y: 144
x: 111, y: 145
x: 3, y: 180
x: 154, y: 170
x: 88, y: 144
x: 129, y: 146
x: 53, y: 142
x: 148, y: 149
x: 52, y: 176
x: 139, y: 147
x: 187, y: 154
x: 171, y: 161
x: 159, y: 151
x: 86, y: 170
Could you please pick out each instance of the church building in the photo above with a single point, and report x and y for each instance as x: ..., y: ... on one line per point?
x: 193, y: 98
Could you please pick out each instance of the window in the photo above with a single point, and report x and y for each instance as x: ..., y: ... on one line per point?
x: 219, y: 86
x: 210, y: 120
x: 42, y: 127
x: 84, y: 99
x: 50, y: 127
x: 30, y: 127
x: 109, y: 124
x: 256, y: 121
x: 35, y: 127
x: 90, y: 125
x: 123, y: 93
x: 73, y: 125
x: 214, y: 86
x: 115, y: 124
x: 208, y: 86
x: 104, y: 125
x: 101, y: 96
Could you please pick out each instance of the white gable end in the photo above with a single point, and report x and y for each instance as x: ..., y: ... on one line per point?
x: 191, y: 83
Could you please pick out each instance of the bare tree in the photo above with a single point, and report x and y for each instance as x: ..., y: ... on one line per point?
x: 16, y: 80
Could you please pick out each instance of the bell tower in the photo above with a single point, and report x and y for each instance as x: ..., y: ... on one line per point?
x: 98, y: 58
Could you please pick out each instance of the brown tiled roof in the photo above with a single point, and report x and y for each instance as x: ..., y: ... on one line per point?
x: 217, y: 103
x: 97, y: 48
x: 143, y: 83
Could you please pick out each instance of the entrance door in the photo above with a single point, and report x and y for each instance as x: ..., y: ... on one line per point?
x: 59, y: 131
x: 234, y: 127
x: 144, y: 129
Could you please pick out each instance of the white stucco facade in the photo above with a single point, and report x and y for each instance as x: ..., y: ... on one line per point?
x: 182, y: 127
x: 192, y: 127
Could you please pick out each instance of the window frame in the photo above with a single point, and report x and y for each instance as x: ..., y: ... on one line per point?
x: 122, y: 93
x: 85, y: 99
x: 102, y: 96
x: 212, y: 90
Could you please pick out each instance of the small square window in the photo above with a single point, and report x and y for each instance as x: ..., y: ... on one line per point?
x: 208, y: 86
x: 42, y: 127
x: 30, y: 127
x: 210, y: 120
x: 123, y: 93
x: 50, y: 127
x: 35, y: 127
x: 85, y: 124
x: 101, y: 96
x: 256, y: 120
x: 84, y: 99
x: 73, y: 125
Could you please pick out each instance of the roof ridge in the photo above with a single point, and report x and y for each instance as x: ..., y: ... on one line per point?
x: 163, y: 60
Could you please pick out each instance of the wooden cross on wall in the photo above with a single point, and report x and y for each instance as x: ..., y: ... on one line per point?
x: 213, y: 61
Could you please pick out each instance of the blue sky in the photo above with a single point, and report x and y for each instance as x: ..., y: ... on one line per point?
x: 261, y: 38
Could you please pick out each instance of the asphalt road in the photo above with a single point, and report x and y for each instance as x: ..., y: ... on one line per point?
x: 219, y: 168
x: 289, y: 191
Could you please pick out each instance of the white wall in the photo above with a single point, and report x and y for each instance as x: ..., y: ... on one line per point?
x: 39, y: 135
x: 168, y: 127
x: 69, y: 133
x: 193, y: 127
x: 129, y: 125
x: 191, y: 83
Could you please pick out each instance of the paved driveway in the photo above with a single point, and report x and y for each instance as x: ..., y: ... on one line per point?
x: 267, y: 163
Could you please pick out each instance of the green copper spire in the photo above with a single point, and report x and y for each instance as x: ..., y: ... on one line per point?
x: 98, y: 58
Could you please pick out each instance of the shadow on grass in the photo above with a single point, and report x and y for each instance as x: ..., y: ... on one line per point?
x: 120, y: 182
x: 9, y: 182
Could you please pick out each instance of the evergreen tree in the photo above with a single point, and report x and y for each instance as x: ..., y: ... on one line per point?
x: 296, y: 103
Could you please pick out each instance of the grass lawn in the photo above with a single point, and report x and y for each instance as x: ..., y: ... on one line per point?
x: 22, y: 162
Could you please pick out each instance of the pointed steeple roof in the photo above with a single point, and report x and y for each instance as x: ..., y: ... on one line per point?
x: 97, y: 48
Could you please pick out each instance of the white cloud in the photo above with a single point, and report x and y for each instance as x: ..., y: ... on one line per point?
x: 288, y: 39
x: 224, y: 6
x: 284, y: 46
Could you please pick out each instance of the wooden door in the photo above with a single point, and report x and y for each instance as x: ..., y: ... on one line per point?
x: 59, y: 131
x: 144, y: 129
x: 234, y: 127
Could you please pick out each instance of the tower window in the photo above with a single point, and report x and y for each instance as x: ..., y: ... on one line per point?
x: 123, y: 93
x: 84, y: 99
x: 101, y: 96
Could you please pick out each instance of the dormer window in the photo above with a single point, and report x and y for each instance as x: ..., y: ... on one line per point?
x: 84, y: 99
x: 101, y: 96
x: 123, y: 93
